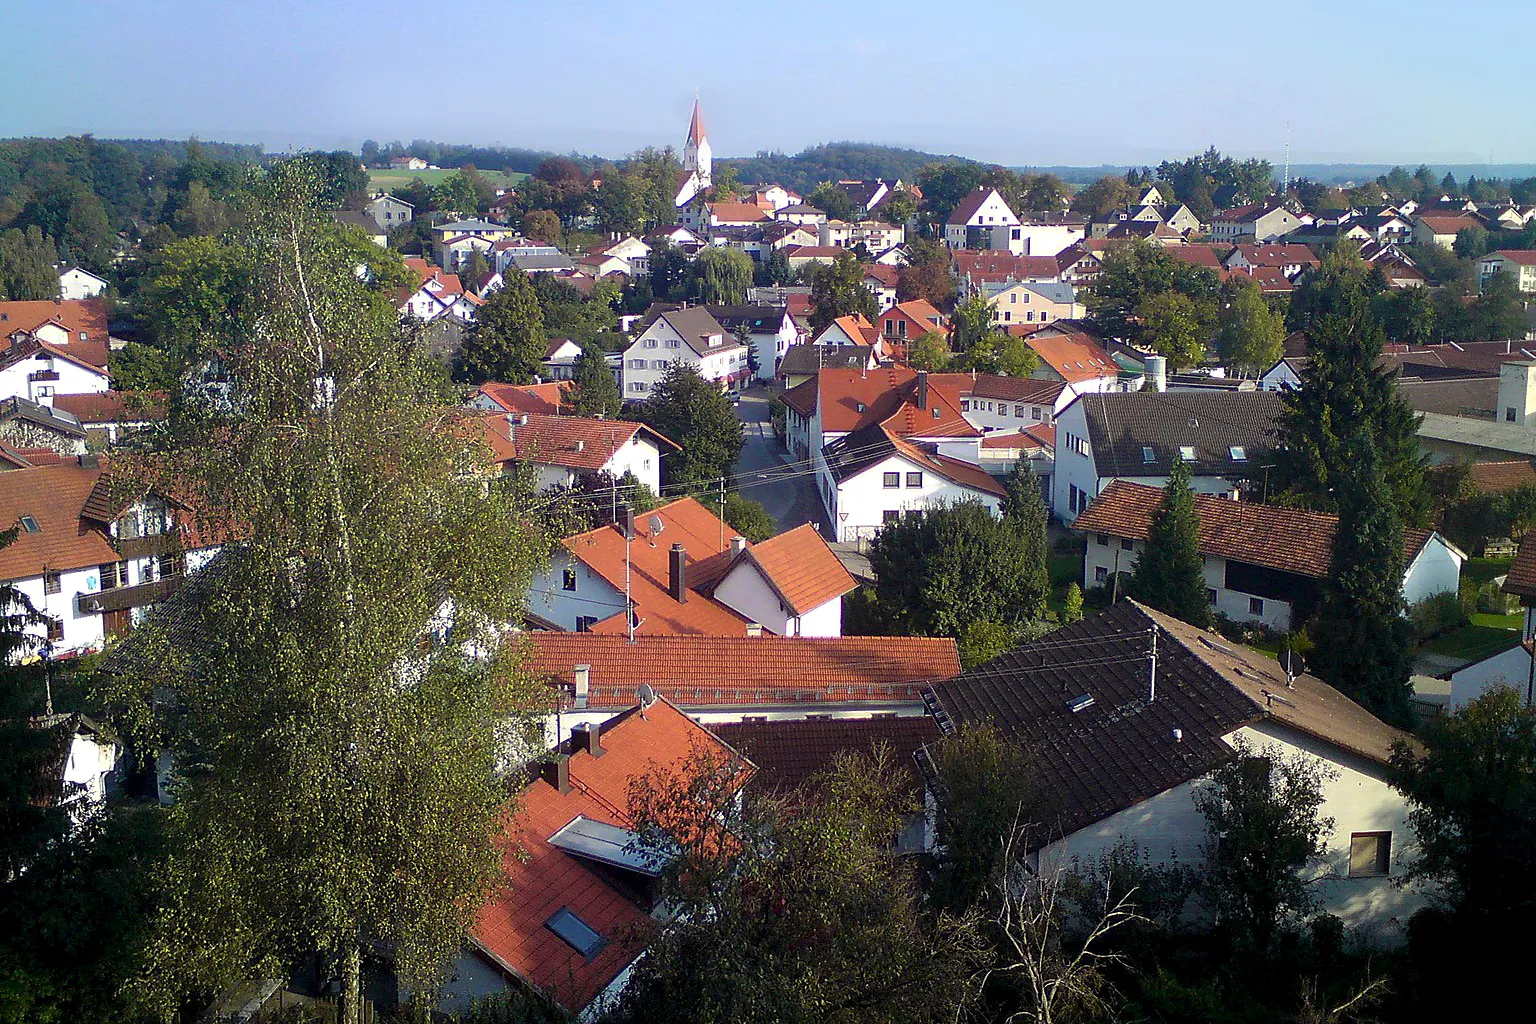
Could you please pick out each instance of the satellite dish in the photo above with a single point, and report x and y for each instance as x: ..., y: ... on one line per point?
x: 656, y: 525
x: 646, y: 695
x: 1291, y: 662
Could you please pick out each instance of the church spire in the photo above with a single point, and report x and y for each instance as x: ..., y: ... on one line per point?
x: 696, y: 125
x: 698, y: 159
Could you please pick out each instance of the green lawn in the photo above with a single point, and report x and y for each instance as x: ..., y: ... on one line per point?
x: 1477, y: 639
x: 397, y: 179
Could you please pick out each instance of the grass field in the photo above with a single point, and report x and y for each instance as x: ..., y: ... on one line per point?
x: 398, y: 179
x: 1476, y: 640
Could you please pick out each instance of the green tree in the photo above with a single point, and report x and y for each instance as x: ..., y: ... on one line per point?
x: 1172, y: 325
x: 988, y: 799
x: 1345, y: 394
x: 898, y: 208
x: 1263, y: 825
x: 1072, y: 604
x: 694, y: 413
x: 927, y: 274
x: 475, y: 272
x: 1132, y: 273
x: 972, y: 323
x: 1364, y: 642
x: 790, y: 910
x: 1471, y: 242
x: 140, y: 367
x: 929, y: 352
x: 1102, y: 197
x: 544, y: 225
x: 669, y: 272
x: 191, y: 297
x: 1250, y: 336
x: 26, y: 265
x: 1499, y: 312
x: 337, y: 731
x: 593, y: 390
x: 722, y: 276
x: 1170, y: 572
x: 748, y: 518
x: 955, y: 564
x: 775, y: 270
x: 507, y: 342
x: 1471, y: 788
x: 838, y: 290
x: 725, y: 183
x: 1408, y: 315
x: 1015, y: 358
x: 832, y: 201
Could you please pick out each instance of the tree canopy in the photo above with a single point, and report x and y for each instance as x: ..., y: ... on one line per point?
x: 1170, y: 572
x: 693, y: 412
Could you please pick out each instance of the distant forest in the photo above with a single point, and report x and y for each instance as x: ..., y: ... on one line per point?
x: 833, y: 161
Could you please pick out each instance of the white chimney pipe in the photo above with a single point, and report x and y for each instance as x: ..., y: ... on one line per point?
x: 583, y: 675
x: 738, y: 545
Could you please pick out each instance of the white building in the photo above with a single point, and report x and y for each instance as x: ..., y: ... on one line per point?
x: 769, y: 330
x: 53, y: 348
x: 1511, y: 668
x: 690, y: 336
x: 981, y: 212
x: 1260, y: 560
x: 698, y: 161
x: 1113, y: 775
x: 77, y: 283
x: 1222, y: 435
x: 389, y: 212
x: 90, y: 757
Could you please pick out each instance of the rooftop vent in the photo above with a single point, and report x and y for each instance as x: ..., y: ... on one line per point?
x: 1080, y: 703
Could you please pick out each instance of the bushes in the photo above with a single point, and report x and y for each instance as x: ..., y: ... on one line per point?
x: 1438, y: 614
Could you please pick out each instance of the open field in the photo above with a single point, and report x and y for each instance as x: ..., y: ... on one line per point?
x: 397, y: 179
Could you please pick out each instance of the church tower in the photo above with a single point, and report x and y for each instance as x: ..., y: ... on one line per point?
x: 697, y: 156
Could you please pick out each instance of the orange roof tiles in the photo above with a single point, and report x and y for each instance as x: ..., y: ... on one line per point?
x: 576, y: 442
x: 1521, y: 579
x: 1076, y: 357
x: 88, y: 316
x: 853, y: 398
x: 704, y: 671
x: 53, y: 496
x: 1288, y: 539
x: 998, y: 265
x: 954, y: 469
x: 738, y: 213
x: 114, y: 406
x: 531, y: 398
x: 801, y: 568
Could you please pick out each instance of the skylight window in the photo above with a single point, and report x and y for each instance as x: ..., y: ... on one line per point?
x: 1148, y: 455
x: 1237, y: 453
x: 29, y: 525
x: 575, y: 932
x: 1187, y: 453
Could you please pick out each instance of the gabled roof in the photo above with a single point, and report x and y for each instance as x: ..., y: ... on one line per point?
x: 811, y: 359
x: 972, y: 203
x: 1003, y: 388
x: 87, y: 316
x: 1498, y: 477
x: 732, y: 671
x: 1199, y: 254
x: 1076, y: 356
x: 53, y: 496
x: 1448, y: 224
x: 693, y: 324
x: 1126, y: 747
x: 541, y: 878
x: 1122, y: 424
x: 887, y: 276
x: 58, y: 421
x: 1523, y: 257
x: 1287, y: 539
x: 759, y: 319
x: 114, y: 406
x: 850, y: 399
x: 859, y: 329
x: 998, y: 265
x: 852, y: 454
x: 919, y: 311
x: 800, y: 568
x: 790, y: 753
x: 738, y: 213
x: 530, y: 398
x: 575, y: 442
x: 1278, y: 255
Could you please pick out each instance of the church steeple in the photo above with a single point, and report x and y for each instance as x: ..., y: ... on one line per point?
x: 697, y: 155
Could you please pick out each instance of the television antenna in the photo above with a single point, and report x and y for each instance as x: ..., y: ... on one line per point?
x: 646, y: 696
x: 656, y: 525
x: 1293, y: 665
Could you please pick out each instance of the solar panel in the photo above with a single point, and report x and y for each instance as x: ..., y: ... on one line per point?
x: 575, y: 932
x: 608, y: 844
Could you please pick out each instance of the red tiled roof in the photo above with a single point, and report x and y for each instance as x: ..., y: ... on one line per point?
x: 1524, y: 257
x: 738, y: 213
x: 1270, y: 279
x: 790, y: 753
x: 1521, y: 579
x: 75, y: 315
x: 888, y: 395
x: 576, y: 442
x: 540, y: 878
x: 530, y: 398
x: 1443, y: 224
x: 52, y: 495
x: 970, y: 204
x: 704, y: 671
x: 1197, y: 254
x: 859, y: 329
x: 1278, y: 255
x: 801, y: 568
x: 707, y: 543
x: 1040, y: 435
x: 960, y: 472
x: 887, y: 276
x: 1288, y: 539
x: 1498, y: 477
x: 1076, y: 357
x: 114, y: 406
x: 997, y: 265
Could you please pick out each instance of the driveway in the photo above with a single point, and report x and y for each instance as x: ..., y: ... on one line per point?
x: 764, y: 472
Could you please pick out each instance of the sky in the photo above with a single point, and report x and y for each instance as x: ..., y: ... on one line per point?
x: 1009, y: 81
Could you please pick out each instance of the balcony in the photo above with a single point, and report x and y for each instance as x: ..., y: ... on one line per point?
x: 122, y: 598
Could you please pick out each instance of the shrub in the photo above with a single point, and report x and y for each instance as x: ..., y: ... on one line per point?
x: 1493, y: 601
x: 1437, y: 614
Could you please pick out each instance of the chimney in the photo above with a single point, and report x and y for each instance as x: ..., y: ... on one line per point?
x: 677, y: 579
x: 557, y: 773
x: 90, y: 461
x: 581, y: 446
x: 754, y: 629
x: 583, y: 674
x: 587, y: 736
x: 1156, y: 372
x: 922, y: 389
x: 629, y: 522
x: 511, y: 427
x: 738, y: 545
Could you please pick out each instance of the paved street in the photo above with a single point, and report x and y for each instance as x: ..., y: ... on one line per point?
x: 790, y: 502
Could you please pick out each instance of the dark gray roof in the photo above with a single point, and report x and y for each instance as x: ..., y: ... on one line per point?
x: 760, y: 319
x: 41, y: 415
x: 694, y: 324
x: 799, y: 359
x: 354, y: 219
x: 542, y: 261
x: 1121, y: 425
x: 853, y: 453
x: 1477, y: 397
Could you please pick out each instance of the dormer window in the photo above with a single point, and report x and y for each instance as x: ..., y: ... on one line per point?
x: 29, y: 525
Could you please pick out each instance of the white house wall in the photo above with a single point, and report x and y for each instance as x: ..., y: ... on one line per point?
x: 861, y: 501
x: 1436, y: 569
x: 74, y: 379
x: 744, y: 590
x: 1511, y: 668
x: 1114, y: 557
x: 593, y: 597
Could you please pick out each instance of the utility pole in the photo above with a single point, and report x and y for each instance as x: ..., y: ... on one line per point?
x: 1152, y: 674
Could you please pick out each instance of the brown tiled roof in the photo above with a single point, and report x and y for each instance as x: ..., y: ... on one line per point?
x: 114, y: 406
x: 1278, y: 254
x: 1288, y: 539
x: 801, y: 568
x: 995, y: 266
x: 970, y: 204
x: 790, y: 753
x: 853, y: 453
x: 1038, y: 435
x: 1524, y: 257
x: 1004, y: 389
x: 1199, y: 255
x: 529, y: 398
x: 1126, y: 747
x: 76, y: 315
x: 1498, y: 477
x: 887, y: 276
x: 1521, y: 579
x: 1442, y: 224
x: 1077, y: 357
x: 576, y: 442
x: 738, y: 212
x: 53, y: 496
x: 705, y: 671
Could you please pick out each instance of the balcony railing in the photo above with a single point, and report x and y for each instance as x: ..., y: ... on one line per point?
x: 121, y: 598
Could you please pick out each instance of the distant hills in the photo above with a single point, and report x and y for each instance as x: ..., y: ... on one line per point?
x: 832, y: 161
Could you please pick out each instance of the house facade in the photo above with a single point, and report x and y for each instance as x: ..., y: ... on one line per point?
x: 1035, y: 303
x: 76, y: 283
x: 978, y: 213
x: 690, y: 336
x: 561, y: 450
x: 1520, y: 264
x: 1261, y: 224
x: 389, y: 212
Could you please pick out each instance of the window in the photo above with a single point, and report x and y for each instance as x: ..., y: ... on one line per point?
x: 915, y: 479
x: 1255, y: 606
x: 568, y: 578
x: 1148, y: 455
x: 29, y: 525
x: 658, y: 364
x: 575, y: 932
x: 170, y: 566
x: 1210, y: 597
x: 1238, y: 453
x: 1509, y: 414
x: 937, y: 414
x: 650, y: 342
x: 584, y: 623
x: 55, y: 630
x: 52, y: 582
x: 674, y: 343
x: 1100, y: 574
x: 890, y: 480
x: 1102, y: 538
x: 1370, y: 854
x: 965, y: 405
x: 1044, y: 316
x: 114, y: 575
x: 1187, y: 453
x: 1034, y: 413
x: 1126, y: 544
x: 890, y: 515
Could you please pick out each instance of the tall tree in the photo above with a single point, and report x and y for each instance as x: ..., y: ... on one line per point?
x: 838, y: 290
x: 930, y: 351
x: 1364, y: 641
x: 1250, y: 336
x: 1102, y: 197
x: 26, y: 265
x: 989, y: 799
x: 1343, y: 394
x: 693, y: 412
x: 593, y: 390
x: 1172, y: 325
x: 972, y: 322
x: 1170, y: 573
x: 338, y: 727
x: 1132, y: 273
x: 507, y: 342
x: 722, y: 276
x: 927, y: 274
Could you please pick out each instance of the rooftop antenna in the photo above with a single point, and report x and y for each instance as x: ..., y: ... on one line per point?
x: 1152, y: 670
x: 646, y: 696
x: 1292, y: 665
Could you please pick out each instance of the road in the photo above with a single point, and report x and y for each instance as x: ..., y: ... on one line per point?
x: 791, y: 502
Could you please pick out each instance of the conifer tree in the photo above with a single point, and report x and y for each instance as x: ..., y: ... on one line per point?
x: 1364, y: 643
x: 593, y: 390
x: 1343, y: 392
x: 508, y: 341
x: 1170, y: 574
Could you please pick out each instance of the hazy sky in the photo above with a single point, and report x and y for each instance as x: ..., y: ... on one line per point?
x: 1004, y: 80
